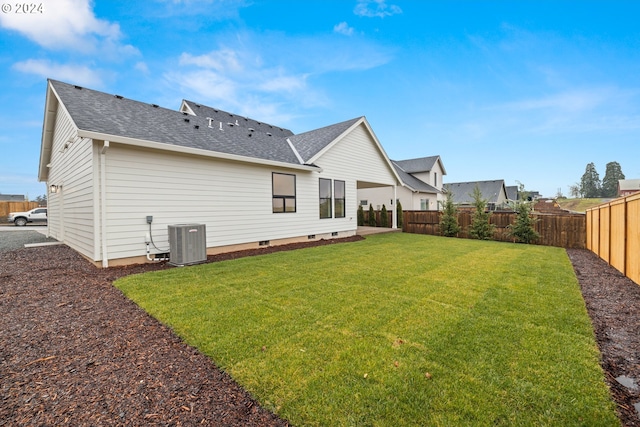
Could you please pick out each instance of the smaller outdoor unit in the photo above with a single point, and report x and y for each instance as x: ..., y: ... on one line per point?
x: 187, y: 244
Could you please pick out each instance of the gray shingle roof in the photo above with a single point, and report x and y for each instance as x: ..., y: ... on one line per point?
x: 308, y: 144
x: 226, y: 117
x: 114, y: 115
x: 422, y: 164
x: 413, y: 182
x: 462, y: 191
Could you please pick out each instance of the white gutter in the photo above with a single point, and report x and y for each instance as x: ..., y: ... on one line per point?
x: 103, y: 204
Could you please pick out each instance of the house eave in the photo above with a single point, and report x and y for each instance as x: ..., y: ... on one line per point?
x: 363, y: 121
x: 194, y: 151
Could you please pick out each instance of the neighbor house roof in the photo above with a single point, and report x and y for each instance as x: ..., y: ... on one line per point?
x: 205, y: 131
x: 421, y: 164
x: 412, y: 182
x: 629, y: 184
x: 12, y: 198
x: 462, y: 191
x: 512, y: 192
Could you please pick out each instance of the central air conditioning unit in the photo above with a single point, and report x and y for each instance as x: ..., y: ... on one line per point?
x: 187, y: 244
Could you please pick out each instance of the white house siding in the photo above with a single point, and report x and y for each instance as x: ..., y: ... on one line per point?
x: 233, y: 200
x: 356, y: 158
x: 71, y: 208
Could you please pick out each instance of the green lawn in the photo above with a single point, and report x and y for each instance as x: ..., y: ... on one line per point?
x: 396, y: 330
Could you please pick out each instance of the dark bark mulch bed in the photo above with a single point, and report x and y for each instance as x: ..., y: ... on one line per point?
x: 613, y: 303
x: 75, y: 351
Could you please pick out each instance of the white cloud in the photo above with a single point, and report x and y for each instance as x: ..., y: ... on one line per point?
x: 77, y: 74
x: 239, y: 80
x: 68, y: 24
x: 343, y: 28
x: 376, y: 9
x: 142, y: 67
x: 220, y: 60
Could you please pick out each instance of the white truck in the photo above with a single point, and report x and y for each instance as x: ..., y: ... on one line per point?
x: 36, y: 216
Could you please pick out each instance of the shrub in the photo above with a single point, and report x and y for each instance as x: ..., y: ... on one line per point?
x: 481, y: 228
x: 449, y: 221
x: 384, y: 218
x: 360, y: 216
x: 372, y: 216
x: 399, y: 213
x: 523, y: 229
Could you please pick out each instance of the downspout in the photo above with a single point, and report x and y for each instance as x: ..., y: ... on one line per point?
x: 103, y: 203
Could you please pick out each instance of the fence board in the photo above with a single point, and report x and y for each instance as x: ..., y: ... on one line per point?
x: 613, y: 233
x: 7, y: 207
x: 633, y: 239
x: 567, y: 231
x: 617, y: 238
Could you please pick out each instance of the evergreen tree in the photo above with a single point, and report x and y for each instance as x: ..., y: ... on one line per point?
x: 523, y: 230
x: 449, y: 226
x: 384, y: 218
x: 590, y: 185
x: 399, y: 214
x: 481, y: 228
x: 372, y: 216
x: 610, y: 181
x: 360, y: 216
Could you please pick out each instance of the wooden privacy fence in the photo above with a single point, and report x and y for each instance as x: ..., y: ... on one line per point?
x: 6, y: 207
x: 613, y: 233
x: 563, y: 230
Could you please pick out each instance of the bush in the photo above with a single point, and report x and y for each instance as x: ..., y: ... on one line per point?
x: 384, y: 217
x: 399, y: 213
x: 449, y: 221
x: 481, y: 228
x: 523, y: 229
x: 360, y: 216
x: 372, y: 216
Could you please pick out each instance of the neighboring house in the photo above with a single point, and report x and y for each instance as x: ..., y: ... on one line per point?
x: 421, y: 186
x: 494, y: 192
x: 111, y: 162
x: 628, y: 186
x: 513, y: 193
x: 12, y: 198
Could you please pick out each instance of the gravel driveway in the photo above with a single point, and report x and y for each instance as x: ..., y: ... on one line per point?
x: 12, y: 237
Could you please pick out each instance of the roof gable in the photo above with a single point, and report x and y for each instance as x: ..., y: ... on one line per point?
x: 310, y: 144
x: 421, y: 164
x: 412, y: 182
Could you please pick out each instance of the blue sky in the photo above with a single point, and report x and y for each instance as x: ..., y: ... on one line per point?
x: 523, y: 91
